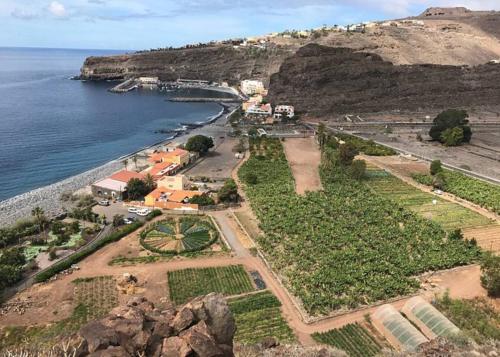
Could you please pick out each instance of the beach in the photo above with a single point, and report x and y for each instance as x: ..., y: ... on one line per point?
x: 48, y: 197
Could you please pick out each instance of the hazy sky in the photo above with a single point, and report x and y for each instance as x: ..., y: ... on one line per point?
x: 141, y: 24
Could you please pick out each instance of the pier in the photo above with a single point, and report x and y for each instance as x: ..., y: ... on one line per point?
x: 204, y: 100
x: 124, y: 87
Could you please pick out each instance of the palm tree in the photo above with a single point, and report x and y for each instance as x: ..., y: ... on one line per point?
x: 150, y: 182
x: 40, y: 219
x: 134, y: 159
x: 125, y: 163
x: 321, y: 135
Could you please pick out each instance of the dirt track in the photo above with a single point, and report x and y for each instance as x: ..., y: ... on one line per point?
x: 304, y: 157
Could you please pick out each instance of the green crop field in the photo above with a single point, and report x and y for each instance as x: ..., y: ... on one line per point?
x: 344, y: 246
x: 355, y: 340
x: 448, y: 214
x: 485, y: 194
x: 189, y: 283
x: 258, y: 316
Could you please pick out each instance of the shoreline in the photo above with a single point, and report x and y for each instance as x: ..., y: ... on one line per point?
x: 48, y: 197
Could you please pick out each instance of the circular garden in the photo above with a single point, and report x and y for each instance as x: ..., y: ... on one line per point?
x: 178, y: 235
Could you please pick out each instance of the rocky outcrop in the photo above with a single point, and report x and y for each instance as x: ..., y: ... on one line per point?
x: 213, y: 63
x: 320, y: 81
x: 204, y: 327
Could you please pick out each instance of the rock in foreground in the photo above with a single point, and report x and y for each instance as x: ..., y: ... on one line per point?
x: 203, y: 327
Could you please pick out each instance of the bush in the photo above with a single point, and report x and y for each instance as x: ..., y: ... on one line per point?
x: 436, y: 167
x: 202, y: 200
x: 358, y: 169
x: 75, y: 258
x: 229, y: 192
x: 490, y: 274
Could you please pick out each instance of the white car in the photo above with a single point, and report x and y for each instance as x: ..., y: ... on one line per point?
x: 143, y: 212
x: 104, y: 203
x: 133, y: 209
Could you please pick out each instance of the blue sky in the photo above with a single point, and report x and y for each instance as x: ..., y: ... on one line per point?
x: 143, y: 24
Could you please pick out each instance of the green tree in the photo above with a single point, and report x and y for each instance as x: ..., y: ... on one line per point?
x: 202, y: 200
x: 57, y: 227
x: 200, y: 144
x: 9, y: 275
x: 436, y: 167
x: 13, y: 257
x: 252, y: 132
x: 137, y: 189
x: 358, y: 169
x: 453, y: 136
x: 117, y: 220
x: 229, y: 192
x: 134, y: 159
x: 346, y: 153
x: 456, y: 235
x: 40, y: 218
x: 149, y: 182
x: 490, y: 274
x: 450, y: 119
x: 321, y: 134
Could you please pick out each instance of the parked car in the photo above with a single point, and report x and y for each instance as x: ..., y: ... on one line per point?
x: 438, y: 192
x: 133, y: 209
x: 129, y: 220
x: 104, y: 202
x: 143, y: 212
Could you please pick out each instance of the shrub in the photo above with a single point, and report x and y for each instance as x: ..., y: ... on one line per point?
x: 436, y: 167
x: 490, y: 274
x: 358, y: 169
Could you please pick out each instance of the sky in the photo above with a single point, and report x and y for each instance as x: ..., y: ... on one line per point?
x: 144, y: 24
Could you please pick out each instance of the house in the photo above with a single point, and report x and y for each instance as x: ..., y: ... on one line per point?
x: 177, y: 182
x: 162, y: 169
x: 109, y: 188
x: 125, y: 176
x: 258, y: 110
x: 251, y: 87
x: 177, y: 156
x: 284, y: 110
x: 148, y: 80
x: 254, y: 100
x: 171, y: 199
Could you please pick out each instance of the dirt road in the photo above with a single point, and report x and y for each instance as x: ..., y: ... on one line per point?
x: 304, y: 158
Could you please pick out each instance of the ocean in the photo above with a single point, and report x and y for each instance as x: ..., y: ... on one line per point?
x: 52, y: 127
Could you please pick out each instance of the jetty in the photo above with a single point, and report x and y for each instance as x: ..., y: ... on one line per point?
x: 126, y: 86
x: 204, y: 99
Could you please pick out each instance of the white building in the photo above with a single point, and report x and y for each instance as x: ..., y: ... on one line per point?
x: 251, y: 87
x: 149, y: 80
x: 284, y: 110
x: 264, y: 109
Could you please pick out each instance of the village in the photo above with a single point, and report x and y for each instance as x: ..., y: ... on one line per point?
x: 196, y: 214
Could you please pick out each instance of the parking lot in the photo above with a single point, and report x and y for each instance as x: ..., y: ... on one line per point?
x: 115, y: 208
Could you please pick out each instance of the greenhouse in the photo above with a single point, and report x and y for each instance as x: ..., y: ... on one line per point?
x: 398, y: 330
x: 428, y: 319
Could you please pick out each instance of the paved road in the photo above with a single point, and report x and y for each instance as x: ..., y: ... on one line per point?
x: 230, y: 235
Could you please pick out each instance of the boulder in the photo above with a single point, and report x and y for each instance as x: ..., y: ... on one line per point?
x: 97, y: 336
x: 114, y: 351
x: 201, y: 341
x: 183, y: 319
x: 219, y: 318
x: 175, y: 347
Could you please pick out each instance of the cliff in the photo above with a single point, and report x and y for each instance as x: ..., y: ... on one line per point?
x: 214, y: 63
x: 320, y: 80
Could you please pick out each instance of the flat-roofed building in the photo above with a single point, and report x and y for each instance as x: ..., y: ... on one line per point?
x: 251, y: 87
x: 177, y: 182
x: 109, y: 188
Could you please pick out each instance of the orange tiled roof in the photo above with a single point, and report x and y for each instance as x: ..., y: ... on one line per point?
x: 160, y: 156
x: 125, y: 176
x: 157, y: 168
x: 179, y: 196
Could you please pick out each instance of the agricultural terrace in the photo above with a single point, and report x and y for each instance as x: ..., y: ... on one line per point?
x: 179, y: 235
x: 186, y: 284
x: 477, y: 318
x: 354, y: 339
x: 347, y: 245
x: 258, y: 316
x: 448, y: 214
x: 94, y: 298
x: 485, y: 194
